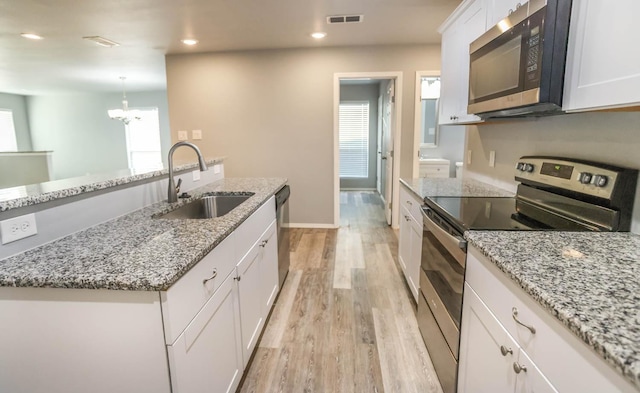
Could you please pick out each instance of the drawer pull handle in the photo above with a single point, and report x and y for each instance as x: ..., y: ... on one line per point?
x: 409, y: 202
x: 214, y: 275
x: 407, y: 218
x: 237, y: 278
x: 519, y: 368
x: 514, y: 314
x: 264, y: 243
x: 505, y: 351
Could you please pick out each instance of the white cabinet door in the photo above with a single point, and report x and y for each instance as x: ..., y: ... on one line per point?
x: 454, y: 95
x: 413, y: 265
x: 603, y: 62
x: 500, y: 9
x: 250, y: 285
x: 404, y: 243
x: 269, y: 266
x: 487, y: 351
x: 207, y: 356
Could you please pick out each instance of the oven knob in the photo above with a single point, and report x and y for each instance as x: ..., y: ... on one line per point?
x: 520, y: 166
x: 600, y: 180
x: 585, y: 178
x: 528, y: 168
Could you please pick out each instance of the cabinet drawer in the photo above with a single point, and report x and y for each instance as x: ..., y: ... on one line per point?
x: 412, y: 203
x: 557, y: 352
x: 439, y: 170
x: 182, y: 301
x: 251, y: 230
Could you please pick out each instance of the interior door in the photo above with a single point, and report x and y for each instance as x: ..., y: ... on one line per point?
x: 387, y: 146
x: 379, y: 149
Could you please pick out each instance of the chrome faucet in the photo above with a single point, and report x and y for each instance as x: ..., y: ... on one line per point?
x: 173, y: 189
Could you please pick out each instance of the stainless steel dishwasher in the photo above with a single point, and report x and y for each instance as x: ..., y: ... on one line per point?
x: 282, y: 215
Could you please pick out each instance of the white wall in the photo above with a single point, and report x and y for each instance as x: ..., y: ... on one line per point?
x: 81, y: 135
x: 450, y: 146
x: 18, y: 105
x: 271, y: 112
x: 612, y: 138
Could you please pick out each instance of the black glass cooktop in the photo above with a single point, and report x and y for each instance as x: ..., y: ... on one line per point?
x: 481, y: 213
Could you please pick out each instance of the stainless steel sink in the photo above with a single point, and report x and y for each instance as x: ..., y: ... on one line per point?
x: 208, y: 206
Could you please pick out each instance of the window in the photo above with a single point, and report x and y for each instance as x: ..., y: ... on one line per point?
x: 143, y: 141
x: 7, y: 131
x: 354, y: 139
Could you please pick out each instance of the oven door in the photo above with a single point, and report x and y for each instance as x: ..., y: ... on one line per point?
x: 442, y: 275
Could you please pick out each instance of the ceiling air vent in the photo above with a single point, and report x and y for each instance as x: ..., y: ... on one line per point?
x: 332, y: 20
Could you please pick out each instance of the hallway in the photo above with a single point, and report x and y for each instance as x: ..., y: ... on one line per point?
x: 344, y: 321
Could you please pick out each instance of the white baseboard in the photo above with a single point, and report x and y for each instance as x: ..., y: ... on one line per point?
x: 312, y: 225
x: 357, y: 189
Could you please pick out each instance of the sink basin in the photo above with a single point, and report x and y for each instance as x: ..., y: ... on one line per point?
x: 208, y: 206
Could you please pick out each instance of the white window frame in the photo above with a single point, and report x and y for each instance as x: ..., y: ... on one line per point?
x: 154, y: 146
x: 8, y: 138
x: 354, y: 137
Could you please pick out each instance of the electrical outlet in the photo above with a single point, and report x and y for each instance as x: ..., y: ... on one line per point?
x: 492, y: 158
x: 216, y: 169
x: 196, y: 134
x: 18, y: 228
x: 183, y: 135
x: 196, y: 175
x: 468, y: 157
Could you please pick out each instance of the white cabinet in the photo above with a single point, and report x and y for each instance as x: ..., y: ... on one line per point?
x: 554, y: 358
x: 207, y: 356
x: 258, y: 286
x: 467, y: 23
x: 491, y: 361
x: 603, y: 62
x: 410, y: 239
x: 500, y: 9
x: 434, y: 167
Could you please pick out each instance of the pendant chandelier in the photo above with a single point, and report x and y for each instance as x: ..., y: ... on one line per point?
x: 125, y: 114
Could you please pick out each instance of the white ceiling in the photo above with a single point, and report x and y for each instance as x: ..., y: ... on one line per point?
x: 149, y: 29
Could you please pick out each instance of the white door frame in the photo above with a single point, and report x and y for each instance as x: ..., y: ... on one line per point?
x: 396, y: 129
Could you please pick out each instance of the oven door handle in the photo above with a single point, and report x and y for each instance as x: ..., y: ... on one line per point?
x: 456, y: 245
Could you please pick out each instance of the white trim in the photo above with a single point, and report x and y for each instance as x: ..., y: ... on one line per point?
x: 417, y: 118
x: 311, y: 225
x: 25, y: 153
x: 397, y: 128
x: 358, y: 189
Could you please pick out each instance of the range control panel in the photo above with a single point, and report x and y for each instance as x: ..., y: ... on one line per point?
x: 579, y: 176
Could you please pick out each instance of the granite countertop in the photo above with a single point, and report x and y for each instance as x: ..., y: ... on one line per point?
x: 32, y: 194
x: 588, y: 281
x: 453, y: 187
x: 134, y: 251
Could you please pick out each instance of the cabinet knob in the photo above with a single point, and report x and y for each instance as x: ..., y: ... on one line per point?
x: 407, y: 218
x: 505, y: 351
x: 409, y: 203
x: 237, y: 278
x: 518, y: 368
x: 264, y: 243
x: 514, y: 314
x: 213, y: 275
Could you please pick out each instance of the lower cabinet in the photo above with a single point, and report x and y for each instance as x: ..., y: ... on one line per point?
x: 207, y: 356
x: 491, y: 361
x: 410, y: 240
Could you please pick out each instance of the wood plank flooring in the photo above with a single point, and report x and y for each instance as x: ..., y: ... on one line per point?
x: 345, y: 319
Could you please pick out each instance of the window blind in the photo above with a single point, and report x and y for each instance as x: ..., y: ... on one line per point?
x: 7, y: 131
x: 354, y: 139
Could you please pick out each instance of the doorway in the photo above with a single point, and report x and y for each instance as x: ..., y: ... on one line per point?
x: 383, y: 149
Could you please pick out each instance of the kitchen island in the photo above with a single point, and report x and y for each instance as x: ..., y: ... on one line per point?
x: 142, y: 303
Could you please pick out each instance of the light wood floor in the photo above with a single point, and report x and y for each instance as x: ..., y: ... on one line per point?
x: 344, y: 321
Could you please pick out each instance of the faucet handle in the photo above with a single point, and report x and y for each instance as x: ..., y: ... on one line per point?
x: 178, y: 186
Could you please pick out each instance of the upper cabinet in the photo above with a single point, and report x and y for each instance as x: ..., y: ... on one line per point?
x: 500, y: 9
x: 603, y: 62
x: 466, y: 24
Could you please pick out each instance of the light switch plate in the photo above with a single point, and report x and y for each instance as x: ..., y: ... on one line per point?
x: 196, y: 134
x: 183, y: 135
x: 468, y: 157
x: 492, y: 158
x: 216, y: 169
x: 18, y: 228
x: 196, y: 175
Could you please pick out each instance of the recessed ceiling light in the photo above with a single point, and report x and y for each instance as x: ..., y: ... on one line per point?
x: 318, y: 35
x: 31, y: 36
x: 189, y: 41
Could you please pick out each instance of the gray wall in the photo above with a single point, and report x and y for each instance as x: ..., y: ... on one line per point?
x: 18, y: 104
x: 450, y: 146
x: 81, y: 135
x: 271, y: 112
x: 364, y: 93
x: 606, y: 137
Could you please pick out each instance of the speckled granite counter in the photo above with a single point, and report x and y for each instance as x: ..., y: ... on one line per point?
x: 135, y: 251
x: 453, y: 187
x: 21, y: 196
x: 588, y: 281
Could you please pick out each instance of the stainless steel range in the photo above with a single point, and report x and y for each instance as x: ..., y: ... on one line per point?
x: 553, y: 194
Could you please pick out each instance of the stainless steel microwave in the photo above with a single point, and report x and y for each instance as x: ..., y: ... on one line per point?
x: 517, y: 67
